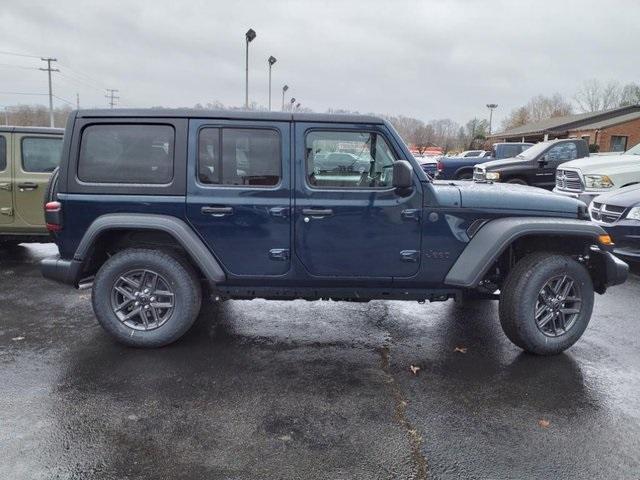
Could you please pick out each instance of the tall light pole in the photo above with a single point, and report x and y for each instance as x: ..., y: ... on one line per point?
x: 291, y: 102
x: 249, y: 36
x: 49, y: 70
x: 284, y: 89
x: 271, y: 61
x: 491, y: 107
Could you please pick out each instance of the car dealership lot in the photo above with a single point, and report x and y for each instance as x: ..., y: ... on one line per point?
x: 310, y: 390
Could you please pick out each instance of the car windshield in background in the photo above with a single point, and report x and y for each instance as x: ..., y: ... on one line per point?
x: 633, y: 150
x: 533, y: 152
x: 40, y: 154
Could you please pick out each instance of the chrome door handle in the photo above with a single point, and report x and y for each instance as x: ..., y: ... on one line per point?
x: 27, y: 186
x: 317, y: 212
x: 217, y: 211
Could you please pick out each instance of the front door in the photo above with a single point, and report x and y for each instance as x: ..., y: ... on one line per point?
x: 349, y: 221
x: 239, y: 193
x: 36, y: 156
x: 6, y: 200
x: 554, y: 157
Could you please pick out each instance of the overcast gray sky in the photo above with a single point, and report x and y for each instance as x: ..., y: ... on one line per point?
x: 424, y: 59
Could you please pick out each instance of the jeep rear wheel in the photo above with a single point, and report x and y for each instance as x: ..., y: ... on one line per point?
x: 146, y: 298
x: 546, y: 303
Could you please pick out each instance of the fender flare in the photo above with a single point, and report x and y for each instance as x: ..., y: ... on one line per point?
x: 495, y: 236
x: 463, y: 169
x: 173, y: 226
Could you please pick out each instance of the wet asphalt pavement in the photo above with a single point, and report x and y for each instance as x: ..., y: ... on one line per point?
x: 306, y: 390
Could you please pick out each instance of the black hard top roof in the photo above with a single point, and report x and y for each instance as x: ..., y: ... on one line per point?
x: 55, y: 131
x: 228, y: 114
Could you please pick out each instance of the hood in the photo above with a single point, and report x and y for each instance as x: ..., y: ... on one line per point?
x: 501, y: 163
x: 505, y: 196
x: 623, y: 197
x: 603, y: 164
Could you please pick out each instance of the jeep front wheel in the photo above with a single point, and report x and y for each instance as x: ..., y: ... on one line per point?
x: 546, y: 303
x: 146, y: 298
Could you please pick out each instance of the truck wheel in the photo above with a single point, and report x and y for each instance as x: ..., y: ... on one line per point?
x: 546, y: 303
x: 146, y: 298
x: 517, y: 181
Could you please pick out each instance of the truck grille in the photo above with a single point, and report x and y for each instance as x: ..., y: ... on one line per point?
x: 479, y: 175
x: 606, y: 213
x: 568, y: 180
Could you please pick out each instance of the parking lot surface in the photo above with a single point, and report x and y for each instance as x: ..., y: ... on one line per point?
x: 262, y: 390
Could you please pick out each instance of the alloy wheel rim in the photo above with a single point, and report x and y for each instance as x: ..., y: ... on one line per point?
x: 558, y: 306
x: 142, y: 299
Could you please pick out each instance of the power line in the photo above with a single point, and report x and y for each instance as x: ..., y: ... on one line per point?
x: 65, y: 101
x: 79, y: 82
x: 80, y: 74
x: 17, y: 66
x: 21, y: 93
x: 19, y: 54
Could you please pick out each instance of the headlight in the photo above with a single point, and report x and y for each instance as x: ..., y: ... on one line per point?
x: 597, y: 181
x: 634, y: 213
x: 492, y: 176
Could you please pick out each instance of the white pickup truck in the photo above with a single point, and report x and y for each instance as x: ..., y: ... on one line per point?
x: 589, y: 177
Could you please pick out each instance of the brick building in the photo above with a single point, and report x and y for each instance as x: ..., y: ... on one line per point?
x: 614, y: 130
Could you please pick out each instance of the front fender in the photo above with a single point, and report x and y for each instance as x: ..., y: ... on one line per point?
x: 495, y: 236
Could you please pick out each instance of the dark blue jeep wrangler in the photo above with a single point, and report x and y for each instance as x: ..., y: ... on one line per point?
x: 155, y: 207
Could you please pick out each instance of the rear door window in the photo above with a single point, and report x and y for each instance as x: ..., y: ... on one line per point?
x: 41, y: 154
x: 136, y: 154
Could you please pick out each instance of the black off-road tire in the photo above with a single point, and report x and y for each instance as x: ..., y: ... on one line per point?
x: 52, y: 187
x: 520, y: 293
x: 180, y: 276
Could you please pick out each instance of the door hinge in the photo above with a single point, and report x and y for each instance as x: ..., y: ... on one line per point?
x: 5, y: 186
x: 279, y: 254
x: 411, y: 256
x: 411, y: 214
x: 6, y: 211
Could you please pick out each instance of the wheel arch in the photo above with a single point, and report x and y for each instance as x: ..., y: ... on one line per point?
x: 499, y: 240
x: 117, y: 231
x: 465, y: 169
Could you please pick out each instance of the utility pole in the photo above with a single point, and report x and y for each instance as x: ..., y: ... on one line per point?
x: 49, y: 70
x: 271, y: 61
x: 77, y: 101
x: 249, y: 36
x: 111, y: 96
x: 491, y: 107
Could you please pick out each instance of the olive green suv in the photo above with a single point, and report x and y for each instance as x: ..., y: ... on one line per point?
x: 28, y: 155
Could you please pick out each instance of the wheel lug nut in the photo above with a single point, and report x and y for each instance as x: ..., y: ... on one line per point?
x: 153, y: 299
x: 146, y: 307
x: 137, y: 303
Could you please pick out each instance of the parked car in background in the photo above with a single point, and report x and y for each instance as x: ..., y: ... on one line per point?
x: 461, y: 168
x: 618, y: 212
x: 28, y: 155
x: 536, y: 166
x: 428, y: 163
x: 587, y: 178
x: 252, y: 213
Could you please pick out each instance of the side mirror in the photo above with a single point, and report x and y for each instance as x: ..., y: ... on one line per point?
x: 542, y: 161
x: 402, y: 175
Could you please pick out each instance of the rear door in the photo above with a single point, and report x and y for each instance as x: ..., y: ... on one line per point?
x: 36, y: 156
x: 349, y: 221
x: 6, y: 197
x: 239, y: 193
x: 558, y: 154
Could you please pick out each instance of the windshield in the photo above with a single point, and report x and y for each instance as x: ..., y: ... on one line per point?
x: 633, y: 150
x: 533, y: 152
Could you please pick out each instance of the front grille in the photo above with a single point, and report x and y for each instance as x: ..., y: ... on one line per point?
x: 606, y: 213
x: 568, y: 180
x: 479, y: 175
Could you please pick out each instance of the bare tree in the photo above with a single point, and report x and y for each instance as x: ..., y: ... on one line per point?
x: 475, y: 132
x: 630, y: 95
x: 422, y: 138
x: 536, y: 109
x: 444, y: 133
x: 595, y: 95
x: 36, y: 115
